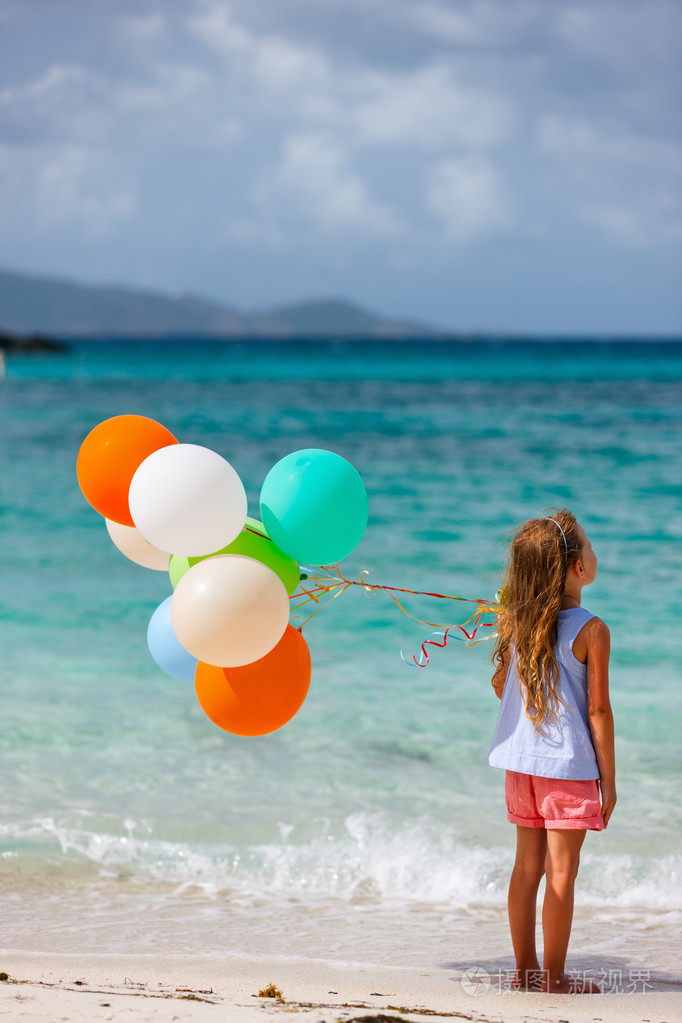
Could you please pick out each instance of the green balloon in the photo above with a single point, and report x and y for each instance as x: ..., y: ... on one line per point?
x: 252, y: 542
x: 178, y: 565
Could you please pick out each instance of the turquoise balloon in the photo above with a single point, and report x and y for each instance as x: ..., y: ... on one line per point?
x: 314, y: 506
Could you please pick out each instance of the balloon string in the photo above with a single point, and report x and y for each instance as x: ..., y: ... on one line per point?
x: 470, y: 640
x: 372, y: 587
x: 414, y: 663
x: 325, y: 584
x: 312, y: 596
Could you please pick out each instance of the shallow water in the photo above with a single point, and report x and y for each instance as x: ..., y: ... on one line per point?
x: 369, y: 828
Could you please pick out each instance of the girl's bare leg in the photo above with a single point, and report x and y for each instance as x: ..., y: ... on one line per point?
x: 561, y: 869
x: 531, y: 851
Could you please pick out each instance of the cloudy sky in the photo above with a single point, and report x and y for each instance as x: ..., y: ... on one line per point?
x: 506, y: 165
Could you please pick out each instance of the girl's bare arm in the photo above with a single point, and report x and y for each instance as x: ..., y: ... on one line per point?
x: 600, y: 715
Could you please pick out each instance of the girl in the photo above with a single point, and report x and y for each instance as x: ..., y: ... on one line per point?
x: 554, y: 734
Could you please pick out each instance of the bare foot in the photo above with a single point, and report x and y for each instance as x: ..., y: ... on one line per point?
x: 564, y: 984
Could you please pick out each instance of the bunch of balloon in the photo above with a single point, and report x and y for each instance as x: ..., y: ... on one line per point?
x: 182, y: 508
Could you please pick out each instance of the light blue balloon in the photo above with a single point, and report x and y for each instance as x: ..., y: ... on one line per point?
x: 165, y: 647
x: 314, y: 506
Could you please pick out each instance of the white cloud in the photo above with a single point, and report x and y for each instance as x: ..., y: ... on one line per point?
x: 56, y: 78
x: 656, y: 218
x: 467, y: 197
x: 625, y: 184
x: 482, y: 24
x: 72, y: 189
x: 423, y: 107
x: 144, y: 27
x: 168, y: 86
x: 76, y: 188
x: 617, y: 32
x: 273, y: 61
x: 78, y: 141
x: 428, y: 109
x: 446, y: 23
x: 331, y: 116
x: 315, y: 181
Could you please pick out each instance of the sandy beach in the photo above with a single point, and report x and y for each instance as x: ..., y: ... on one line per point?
x: 81, y: 988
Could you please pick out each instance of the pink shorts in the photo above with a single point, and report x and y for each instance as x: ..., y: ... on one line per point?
x: 535, y: 802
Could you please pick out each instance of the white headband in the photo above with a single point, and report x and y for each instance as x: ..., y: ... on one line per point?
x: 548, y: 518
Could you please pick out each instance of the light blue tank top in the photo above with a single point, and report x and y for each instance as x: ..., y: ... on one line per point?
x: 561, y: 748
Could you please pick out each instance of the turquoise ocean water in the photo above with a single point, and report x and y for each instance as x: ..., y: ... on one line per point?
x: 369, y: 829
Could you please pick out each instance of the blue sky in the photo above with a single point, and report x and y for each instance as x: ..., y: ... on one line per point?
x: 505, y: 165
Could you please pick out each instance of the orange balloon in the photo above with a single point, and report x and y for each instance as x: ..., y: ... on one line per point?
x: 260, y: 697
x: 109, y: 457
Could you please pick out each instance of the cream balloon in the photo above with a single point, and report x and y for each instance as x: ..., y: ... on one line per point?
x: 130, y: 542
x: 229, y: 610
x: 188, y: 500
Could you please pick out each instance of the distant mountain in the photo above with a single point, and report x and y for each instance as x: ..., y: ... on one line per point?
x: 331, y: 316
x: 62, y: 308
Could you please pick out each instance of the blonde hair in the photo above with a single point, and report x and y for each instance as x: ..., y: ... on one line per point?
x: 540, y: 553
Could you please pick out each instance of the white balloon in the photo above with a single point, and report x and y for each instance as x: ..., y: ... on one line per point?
x: 130, y: 542
x: 188, y: 500
x: 229, y: 610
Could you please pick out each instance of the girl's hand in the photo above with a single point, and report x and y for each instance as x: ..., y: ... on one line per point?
x: 500, y: 676
x: 608, y: 800
x: 497, y: 682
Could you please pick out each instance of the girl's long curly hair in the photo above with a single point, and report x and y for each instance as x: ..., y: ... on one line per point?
x: 531, y: 593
